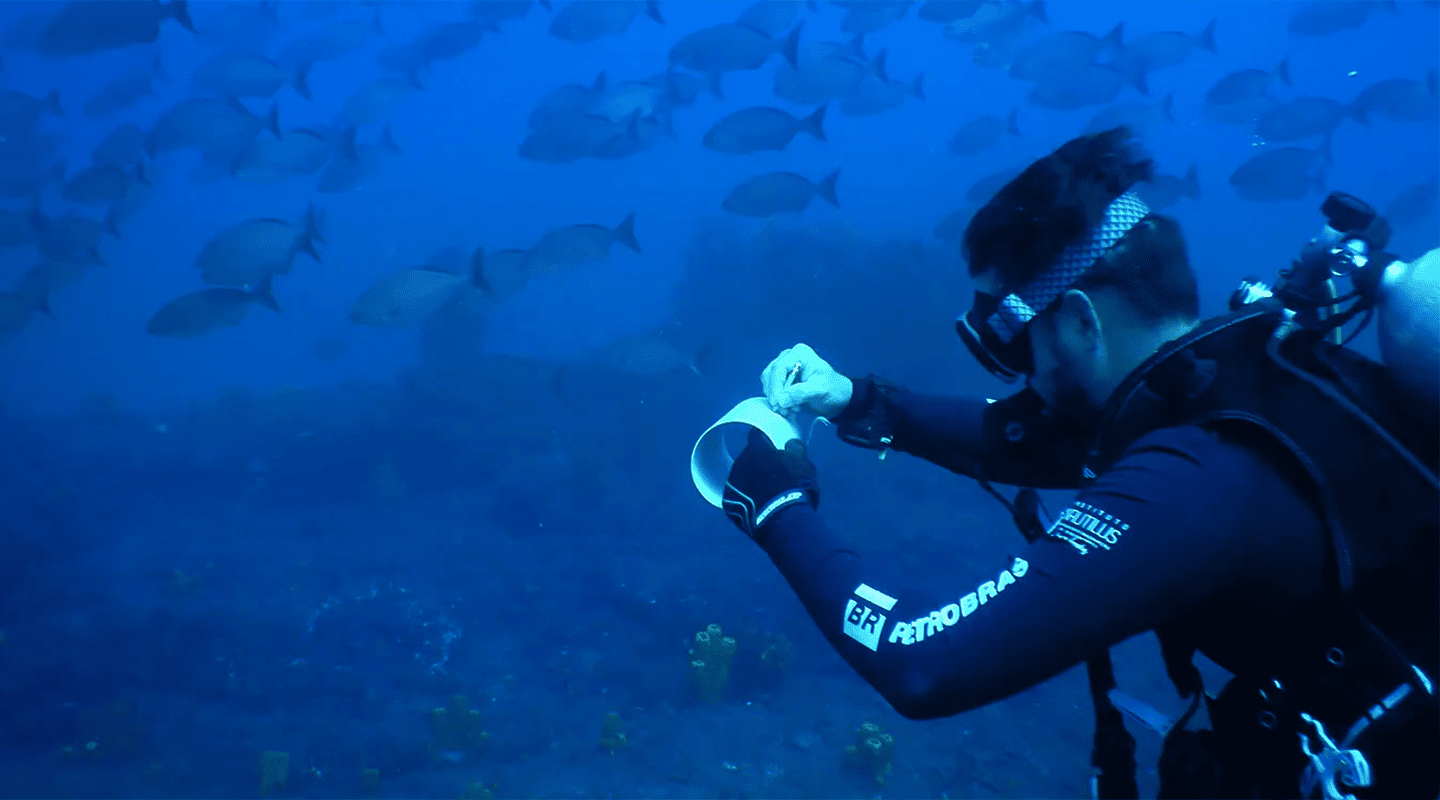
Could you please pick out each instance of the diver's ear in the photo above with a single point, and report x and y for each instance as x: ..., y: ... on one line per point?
x: 1077, y: 322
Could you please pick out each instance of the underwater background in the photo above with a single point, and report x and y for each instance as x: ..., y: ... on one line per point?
x: 428, y: 531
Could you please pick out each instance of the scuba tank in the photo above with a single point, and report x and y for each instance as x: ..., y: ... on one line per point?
x: 1405, y: 295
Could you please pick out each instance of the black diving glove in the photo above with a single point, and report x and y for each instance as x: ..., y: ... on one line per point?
x: 764, y: 480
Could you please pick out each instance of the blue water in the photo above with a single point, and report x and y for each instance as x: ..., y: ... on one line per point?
x: 302, y: 536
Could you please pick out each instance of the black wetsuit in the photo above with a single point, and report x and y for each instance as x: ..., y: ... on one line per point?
x: 1185, y: 520
x: 1209, y: 531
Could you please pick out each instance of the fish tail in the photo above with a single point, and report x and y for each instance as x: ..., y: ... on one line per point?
x: 653, y: 11
x: 713, y: 84
x: 301, y: 81
x: 1037, y: 10
x: 1206, y: 38
x: 827, y: 188
x: 1115, y: 38
x: 477, y: 270
x: 790, y: 48
x: 698, y: 363
x: 52, y: 102
x: 315, y: 223
x: 814, y: 124
x: 387, y: 140
x: 1137, y: 79
x: 856, y: 48
x: 1282, y: 71
x: 179, y: 10
x: 625, y: 233
x: 263, y: 294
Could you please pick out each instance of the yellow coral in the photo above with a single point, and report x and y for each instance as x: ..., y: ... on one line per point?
x: 274, y: 771
x: 874, y: 750
x: 710, y: 662
x: 612, y: 732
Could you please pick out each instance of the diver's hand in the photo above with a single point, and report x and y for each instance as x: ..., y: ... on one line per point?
x: 764, y: 480
x: 798, y: 379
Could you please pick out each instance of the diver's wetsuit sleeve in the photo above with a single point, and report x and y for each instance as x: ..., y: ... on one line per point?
x: 1183, y: 519
x: 1010, y: 441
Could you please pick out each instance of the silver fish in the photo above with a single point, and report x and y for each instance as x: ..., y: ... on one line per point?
x: 201, y: 312
x: 779, y: 193
x: 588, y: 20
x: 573, y: 245
x: 246, y: 253
x: 982, y: 133
x: 1285, y: 173
x: 752, y: 130
x: 404, y: 298
x: 731, y: 48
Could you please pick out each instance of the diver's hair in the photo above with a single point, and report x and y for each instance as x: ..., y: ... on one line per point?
x: 1055, y: 202
x: 1150, y: 269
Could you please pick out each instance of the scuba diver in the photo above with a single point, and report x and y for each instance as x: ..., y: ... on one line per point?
x: 1249, y: 488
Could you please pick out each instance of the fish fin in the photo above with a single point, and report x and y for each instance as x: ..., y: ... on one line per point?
x: 1115, y: 38
x: 827, y: 188
x: 814, y: 124
x: 625, y: 233
x: 1432, y: 81
x: 379, y: 26
x: 477, y: 270
x: 264, y: 295
x: 387, y: 140
x: 856, y: 48
x: 1192, y: 182
x: 1325, y: 156
x: 139, y: 173
x: 545, y: 4
x: 1167, y: 108
x: 1206, y: 38
x: 315, y: 223
x: 42, y: 304
x: 52, y: 102
x: 652, y: 10
x: 1282, y: 71
x: 790, y: 48
x: 917, y: 86
x: 877, y: 67
x: 1137, y: 79
x: 157, y: 67
x: 302, y: 81
x: 598, y: 85
x: 1011, y: 125
x: 93, y: 254
x: 1037, y: 10
x: 712, y: 82
x: 38, y: 220
x: 272, y: 120
x: 1357, y: 112
x: 57, y: 172
x: 698, y: 363
x: 345, y: 148
x: 179, y: 10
